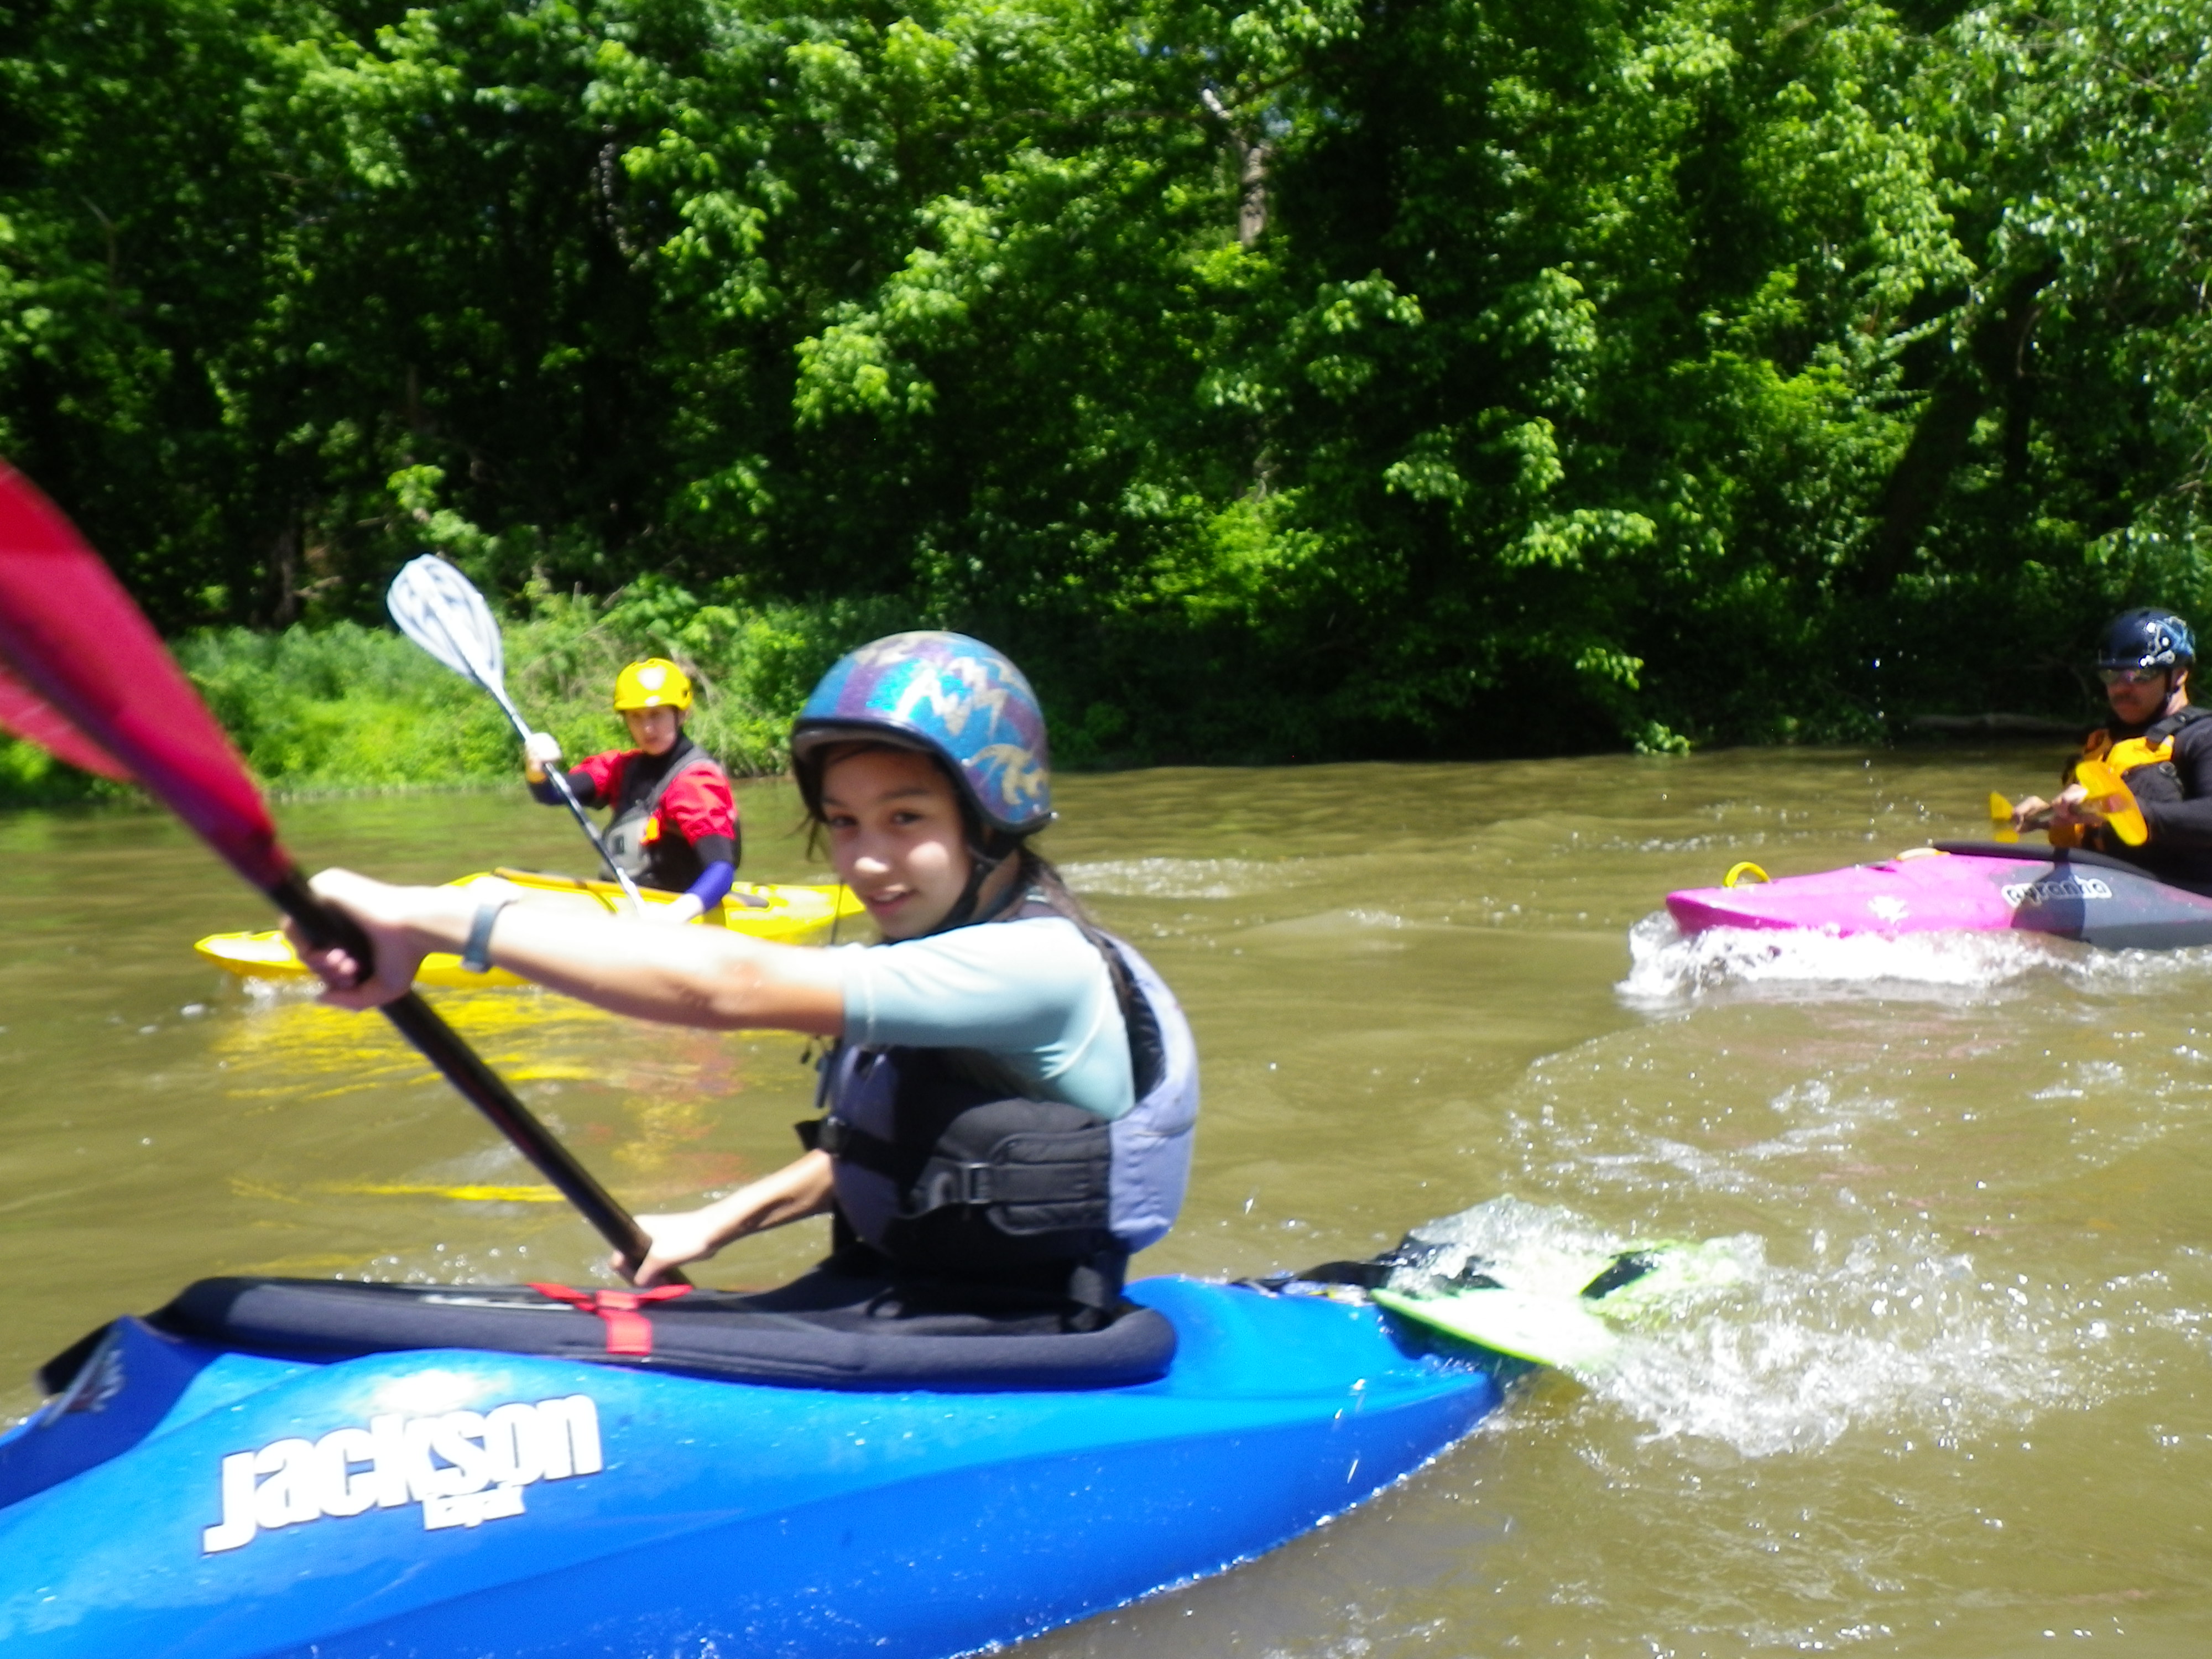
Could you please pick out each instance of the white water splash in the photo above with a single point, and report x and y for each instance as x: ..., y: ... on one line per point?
x: 1885, y: 1331
x: 280, y: 993
x: 1666, y: 970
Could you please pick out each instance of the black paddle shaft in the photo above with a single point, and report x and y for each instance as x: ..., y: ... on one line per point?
x: 463, y: 1067
x: 559, y: 779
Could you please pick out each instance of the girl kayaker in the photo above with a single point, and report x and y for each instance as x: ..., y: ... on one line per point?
x: 1007, y: 1109
x: 675, y: 825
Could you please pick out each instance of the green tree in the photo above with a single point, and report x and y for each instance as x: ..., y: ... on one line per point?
x: 1284, y: 379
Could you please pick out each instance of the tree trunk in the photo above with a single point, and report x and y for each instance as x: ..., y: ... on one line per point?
x: 1252, y: 201
x: 1252, y: 153
x: 284, y: 562
x: 1994, y: 365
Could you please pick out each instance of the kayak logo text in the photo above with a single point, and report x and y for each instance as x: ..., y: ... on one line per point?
x: 463, y: 1467
x: 2029, y: 894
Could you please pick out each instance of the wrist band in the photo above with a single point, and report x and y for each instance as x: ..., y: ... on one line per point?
x: 476, y: 957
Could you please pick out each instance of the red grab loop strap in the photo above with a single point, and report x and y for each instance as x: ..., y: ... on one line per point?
x: 630, y: 1333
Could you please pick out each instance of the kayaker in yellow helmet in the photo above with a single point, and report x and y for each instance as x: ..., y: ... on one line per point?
x: 675, y: 825
x: 1009, y: 1106
x: 2157, y: 740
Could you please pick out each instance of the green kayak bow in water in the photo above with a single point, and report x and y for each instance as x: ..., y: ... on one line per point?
x: 1567, y: 1310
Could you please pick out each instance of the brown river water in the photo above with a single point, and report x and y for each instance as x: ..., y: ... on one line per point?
x: 1961, y: 1404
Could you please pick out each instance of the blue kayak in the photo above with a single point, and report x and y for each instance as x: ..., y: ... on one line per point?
x: 194, y: 1498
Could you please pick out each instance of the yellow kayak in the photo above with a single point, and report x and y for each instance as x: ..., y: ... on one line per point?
x: 788, y: 915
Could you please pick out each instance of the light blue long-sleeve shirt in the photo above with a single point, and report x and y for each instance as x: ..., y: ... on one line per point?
x: 1034, y: 994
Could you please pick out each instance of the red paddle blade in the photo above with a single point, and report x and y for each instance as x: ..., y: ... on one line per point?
x: 79, y: 643
x: 23, y: 712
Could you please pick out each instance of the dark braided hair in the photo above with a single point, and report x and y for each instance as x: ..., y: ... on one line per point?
x: 1036, y: 873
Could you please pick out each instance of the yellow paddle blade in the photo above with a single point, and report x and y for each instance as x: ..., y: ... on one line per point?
x: 2000, y: 819
x: 466, y: 1194
x: 2116, y: 800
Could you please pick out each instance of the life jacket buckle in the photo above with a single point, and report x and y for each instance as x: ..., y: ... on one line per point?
x: 968, y: 1184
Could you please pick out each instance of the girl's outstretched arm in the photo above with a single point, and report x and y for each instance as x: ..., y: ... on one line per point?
x: 687, y: 977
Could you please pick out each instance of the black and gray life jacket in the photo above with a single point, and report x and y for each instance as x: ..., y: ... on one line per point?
x: 2145, y: 761
x: 945, y: 1168
x: 666, y: 861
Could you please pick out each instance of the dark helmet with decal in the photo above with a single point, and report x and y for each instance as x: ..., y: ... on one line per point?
x: 953, y: 698
x: 2147, y: 639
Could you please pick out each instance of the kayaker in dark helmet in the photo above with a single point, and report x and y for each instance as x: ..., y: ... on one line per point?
x: 1008, y: 1110
x: 2159, y: 743
x: 675, y: 825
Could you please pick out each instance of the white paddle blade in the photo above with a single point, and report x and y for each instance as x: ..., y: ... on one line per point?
x: 440, y: 610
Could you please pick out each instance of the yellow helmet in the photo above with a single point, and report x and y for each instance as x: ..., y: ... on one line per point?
x: 656, y: 683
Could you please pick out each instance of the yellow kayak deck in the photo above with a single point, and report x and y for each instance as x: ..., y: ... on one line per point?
x: 785, y: 915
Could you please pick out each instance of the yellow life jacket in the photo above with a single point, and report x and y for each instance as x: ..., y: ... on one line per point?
x: 2150, y: 755
x: 2125, y: 755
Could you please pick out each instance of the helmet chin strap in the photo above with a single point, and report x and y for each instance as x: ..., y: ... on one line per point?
x: 982, y: 866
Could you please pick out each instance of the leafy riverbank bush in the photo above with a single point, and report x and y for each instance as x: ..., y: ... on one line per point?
x: 1275, y: 378
x: 346, y: 706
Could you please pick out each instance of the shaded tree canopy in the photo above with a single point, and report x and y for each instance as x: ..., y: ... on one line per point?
x: 1317, y: 377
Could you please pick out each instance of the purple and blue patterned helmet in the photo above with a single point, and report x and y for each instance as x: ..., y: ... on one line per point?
x: 948, y: 696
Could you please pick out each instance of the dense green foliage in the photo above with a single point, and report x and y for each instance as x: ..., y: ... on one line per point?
x: 346, y: 708
x: 1314, y: 377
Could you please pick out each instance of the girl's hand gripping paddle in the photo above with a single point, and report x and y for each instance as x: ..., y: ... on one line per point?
x: 90, y: 662
x: 438, y: 609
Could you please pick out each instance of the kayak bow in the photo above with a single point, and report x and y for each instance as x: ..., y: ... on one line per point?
x: 784, y: 914
x: 216, y: 1503
x: 1969, y: 887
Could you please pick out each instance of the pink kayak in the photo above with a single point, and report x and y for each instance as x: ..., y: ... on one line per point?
x: 1969, y: 887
